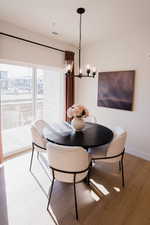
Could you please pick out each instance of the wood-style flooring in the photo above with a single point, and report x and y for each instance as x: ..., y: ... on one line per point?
x: 108, y: 204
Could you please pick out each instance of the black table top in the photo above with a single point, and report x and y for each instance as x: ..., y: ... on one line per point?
x: 92, y: 135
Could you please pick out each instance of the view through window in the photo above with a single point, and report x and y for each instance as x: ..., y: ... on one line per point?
x: 27, y: 94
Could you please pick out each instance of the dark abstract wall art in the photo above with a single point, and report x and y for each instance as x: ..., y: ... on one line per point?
x: 116, y: 89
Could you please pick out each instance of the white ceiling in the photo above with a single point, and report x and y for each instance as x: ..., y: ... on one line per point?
x: 103, y: 18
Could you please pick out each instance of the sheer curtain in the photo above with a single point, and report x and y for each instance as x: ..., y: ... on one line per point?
x: 54, y: 96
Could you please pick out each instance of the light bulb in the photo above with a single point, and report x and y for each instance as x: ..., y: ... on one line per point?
x: 88, y: 69
x: 69, y: 67
x: 88, y: 66
x: 94, y: 69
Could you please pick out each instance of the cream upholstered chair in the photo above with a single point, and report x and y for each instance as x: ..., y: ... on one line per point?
x: 38, y: 141
x: 68, y: 164
x: 114, y: 152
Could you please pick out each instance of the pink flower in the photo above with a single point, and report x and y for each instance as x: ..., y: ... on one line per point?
x: 77, y: 111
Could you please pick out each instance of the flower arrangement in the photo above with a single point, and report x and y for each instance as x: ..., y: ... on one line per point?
x: 77, y: 111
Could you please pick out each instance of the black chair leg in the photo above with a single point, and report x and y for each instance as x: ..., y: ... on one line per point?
x: 88, y: 179
x: 75, y: 199
x: 38, y: 155
x: 122, y: 170
x: 89, y: 173
x: 32, y: 156
x: 120, y: 166
x: 50, y: 192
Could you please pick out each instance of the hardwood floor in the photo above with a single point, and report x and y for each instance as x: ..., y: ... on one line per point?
x: 109, y: 204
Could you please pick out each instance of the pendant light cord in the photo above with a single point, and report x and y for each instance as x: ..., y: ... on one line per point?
x: 80, y: 43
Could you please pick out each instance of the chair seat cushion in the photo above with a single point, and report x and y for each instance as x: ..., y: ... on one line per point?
x: 98, y: 152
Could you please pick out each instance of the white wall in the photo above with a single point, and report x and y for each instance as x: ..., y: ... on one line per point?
x: 127, y: 52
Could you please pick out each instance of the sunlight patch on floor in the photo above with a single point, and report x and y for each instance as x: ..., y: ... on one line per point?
x: 95, y: 196
x: 100, y: 187
x: 116, y: 189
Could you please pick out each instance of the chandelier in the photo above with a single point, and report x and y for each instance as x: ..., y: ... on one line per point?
x: 90, y: 71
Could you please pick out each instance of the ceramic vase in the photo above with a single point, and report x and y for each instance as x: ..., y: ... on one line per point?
x: 77, y: 123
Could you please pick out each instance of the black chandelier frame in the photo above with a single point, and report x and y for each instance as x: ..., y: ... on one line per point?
x: 89, y: 73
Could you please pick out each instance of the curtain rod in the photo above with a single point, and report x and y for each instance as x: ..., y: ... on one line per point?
x: 32, y: 42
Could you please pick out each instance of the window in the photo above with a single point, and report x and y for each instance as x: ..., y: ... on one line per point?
x: 27, y: 94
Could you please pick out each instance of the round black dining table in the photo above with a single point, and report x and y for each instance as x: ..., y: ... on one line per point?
x: 92, y: 135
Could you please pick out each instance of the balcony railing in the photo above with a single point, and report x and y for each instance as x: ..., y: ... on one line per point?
x: 16, y: 117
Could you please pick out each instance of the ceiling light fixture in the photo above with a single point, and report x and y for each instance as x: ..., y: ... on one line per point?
x: 53, y: 29
x: 90, y: 72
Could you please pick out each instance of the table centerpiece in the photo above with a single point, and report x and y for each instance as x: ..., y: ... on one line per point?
x: 77, y: 113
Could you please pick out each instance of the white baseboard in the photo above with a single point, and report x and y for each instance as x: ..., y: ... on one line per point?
x: 142, y: 155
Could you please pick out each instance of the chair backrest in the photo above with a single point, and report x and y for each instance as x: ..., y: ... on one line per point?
x: 37, y: 133
x: 40, y: 125
x: 69, y: 159
x: 118, y: 143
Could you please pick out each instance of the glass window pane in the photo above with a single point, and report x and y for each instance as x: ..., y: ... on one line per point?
x: 28, y: 95
x: 16, y: 106
x: 40, y: 94
x: 50, y: 95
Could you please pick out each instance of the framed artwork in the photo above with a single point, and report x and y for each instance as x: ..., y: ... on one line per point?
x: 116, y: 89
